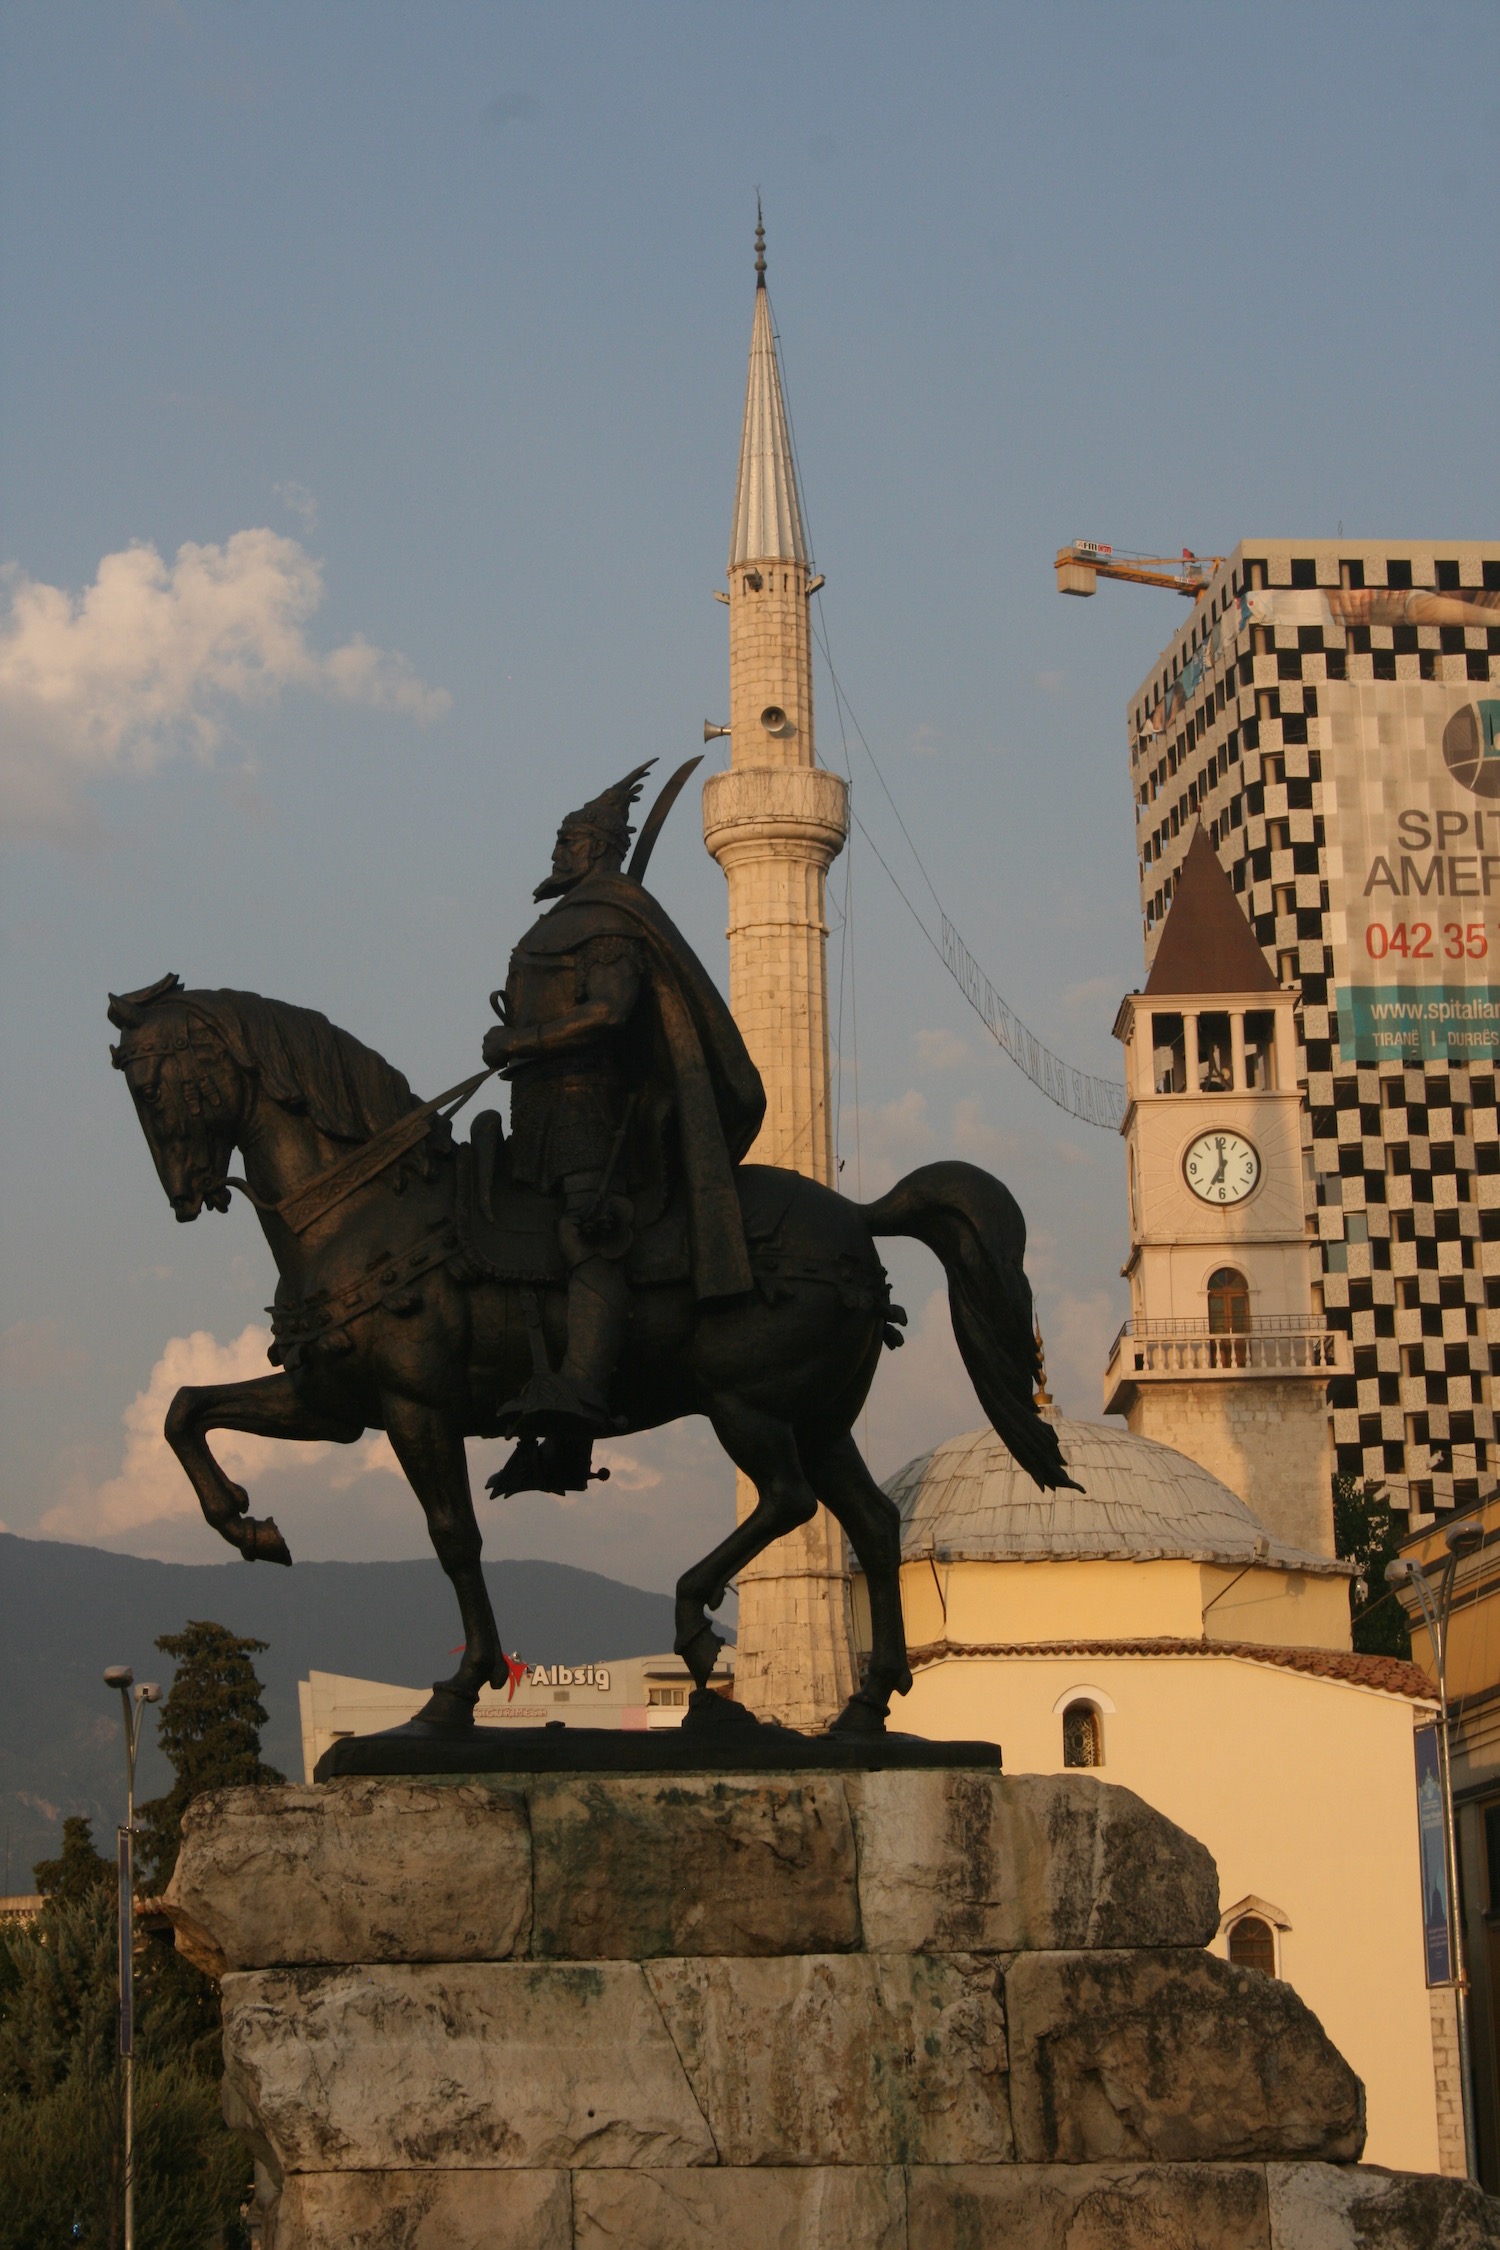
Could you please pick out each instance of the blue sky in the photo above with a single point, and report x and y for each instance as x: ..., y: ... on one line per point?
x: 423, y: 332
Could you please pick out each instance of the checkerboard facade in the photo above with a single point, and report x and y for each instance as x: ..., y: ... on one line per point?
x: 1401, y: 1161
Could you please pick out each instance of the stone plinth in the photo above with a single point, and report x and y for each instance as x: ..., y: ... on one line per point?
x: 908, y: 2010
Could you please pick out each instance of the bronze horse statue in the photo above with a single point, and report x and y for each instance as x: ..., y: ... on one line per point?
x: 419, y: 1288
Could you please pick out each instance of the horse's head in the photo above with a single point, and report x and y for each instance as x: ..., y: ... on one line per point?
x: 188, y: 1090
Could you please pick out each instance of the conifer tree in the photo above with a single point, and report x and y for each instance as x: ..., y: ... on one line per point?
x: 210, y: 1732
x: 1366, y: 1533
x: 79, y: 1871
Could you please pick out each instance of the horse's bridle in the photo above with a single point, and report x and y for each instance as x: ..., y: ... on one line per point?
x: 327, y: 1189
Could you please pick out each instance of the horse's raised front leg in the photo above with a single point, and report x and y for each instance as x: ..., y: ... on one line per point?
x: 767, y: 1452
x: 873, y: 1523
x: 430, y: 1449
x: 265, y: 1406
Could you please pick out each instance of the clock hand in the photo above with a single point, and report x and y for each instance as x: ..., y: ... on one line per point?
x: 1223, y: 1160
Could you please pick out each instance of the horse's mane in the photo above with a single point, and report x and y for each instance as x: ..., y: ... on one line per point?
x: 306, y: 1063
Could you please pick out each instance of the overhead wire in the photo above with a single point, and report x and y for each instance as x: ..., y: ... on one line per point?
x: 1093, y: 1101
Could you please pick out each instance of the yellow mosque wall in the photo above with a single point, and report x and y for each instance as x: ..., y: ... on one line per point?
x: 1303, y: 1789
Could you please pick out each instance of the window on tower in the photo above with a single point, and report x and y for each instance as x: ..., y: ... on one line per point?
x: 1228, y: 1316
x: 1215, y: 1054
x: 1260, y: 1050
x: 1168, y: 1054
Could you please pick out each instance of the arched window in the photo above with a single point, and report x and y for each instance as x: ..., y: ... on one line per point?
x: 1228, y: 1316
x: 1083, y: 1738
x: 1252, y: 1944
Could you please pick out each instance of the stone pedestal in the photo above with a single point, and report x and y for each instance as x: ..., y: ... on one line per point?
x: 863, y: 2011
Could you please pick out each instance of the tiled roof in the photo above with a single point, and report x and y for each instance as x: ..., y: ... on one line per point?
x: 1206, y: 945
x: 1392, y: 1675
x: 968, y: 1500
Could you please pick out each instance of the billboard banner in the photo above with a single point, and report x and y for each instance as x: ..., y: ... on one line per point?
x: 1411, y: 787
x: 1433, y: 1851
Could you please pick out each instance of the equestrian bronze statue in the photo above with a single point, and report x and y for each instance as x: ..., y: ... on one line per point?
x: 609, y: 1264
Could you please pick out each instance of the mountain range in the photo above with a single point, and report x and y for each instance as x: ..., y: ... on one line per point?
x: 67, y: 1611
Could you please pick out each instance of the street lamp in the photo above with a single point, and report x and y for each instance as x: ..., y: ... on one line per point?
x: 121, y: 1676
x: 1436, y: 1603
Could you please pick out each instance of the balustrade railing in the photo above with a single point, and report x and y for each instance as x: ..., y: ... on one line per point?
x: 1282, y: 1343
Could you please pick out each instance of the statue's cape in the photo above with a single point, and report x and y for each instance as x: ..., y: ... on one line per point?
x: 720, y: 1101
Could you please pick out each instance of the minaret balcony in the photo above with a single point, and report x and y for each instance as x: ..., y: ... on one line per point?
x: 798, y: 811
x: 1174, y: 1351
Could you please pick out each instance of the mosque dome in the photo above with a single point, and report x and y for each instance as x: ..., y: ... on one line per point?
x: 968, y: 1501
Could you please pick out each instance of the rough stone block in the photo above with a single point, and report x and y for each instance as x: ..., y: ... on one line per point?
x: 637, y: 1866
x: 847, y: 2207
x: 1088, y: 2207
x: 1172, y: 2056
x: 423, y: 2211
x: 1355, y: 2207
x: 468, y: 2066
x: 358, y: 1870
x: 843, y: 2059
x: 974, y: 1862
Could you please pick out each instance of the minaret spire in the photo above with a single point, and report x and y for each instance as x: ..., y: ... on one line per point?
x: 767, y: 504
x: 775, y: 822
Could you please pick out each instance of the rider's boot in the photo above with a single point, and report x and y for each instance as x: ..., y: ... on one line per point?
x: 575, y: 1401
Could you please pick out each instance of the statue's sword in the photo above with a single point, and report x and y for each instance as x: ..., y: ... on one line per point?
x: 655, y: 820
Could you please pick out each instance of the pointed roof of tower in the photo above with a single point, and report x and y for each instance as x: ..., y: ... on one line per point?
x: 1206, y: 945
x: 767, y: 509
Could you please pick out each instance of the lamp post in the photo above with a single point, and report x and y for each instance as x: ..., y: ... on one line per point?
x: 121, y: 1676
x: 1436, y: 1604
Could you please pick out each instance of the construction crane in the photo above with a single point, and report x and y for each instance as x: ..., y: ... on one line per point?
x: 1081, y: 564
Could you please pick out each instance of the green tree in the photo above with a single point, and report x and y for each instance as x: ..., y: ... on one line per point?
x: 210, y: 1732
x: 60, y: 2099
x: 60, y: 2086
x: 1366, y: 1532
x: 79, y: 1871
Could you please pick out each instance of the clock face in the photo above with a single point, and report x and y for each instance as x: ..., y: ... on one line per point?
x: 1221, y: 1167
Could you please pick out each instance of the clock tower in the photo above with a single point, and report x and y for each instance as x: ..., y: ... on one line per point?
x: 1225, y: 1355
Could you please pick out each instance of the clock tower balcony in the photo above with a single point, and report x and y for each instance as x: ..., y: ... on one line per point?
x: 1173, y: 1350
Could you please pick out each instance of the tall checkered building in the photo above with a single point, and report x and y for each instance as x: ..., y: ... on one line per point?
x: 1326, y: 713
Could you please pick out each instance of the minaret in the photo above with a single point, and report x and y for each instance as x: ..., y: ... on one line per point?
x: 774, y: 822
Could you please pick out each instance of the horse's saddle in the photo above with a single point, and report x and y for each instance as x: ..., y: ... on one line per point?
x: 509, y: 1232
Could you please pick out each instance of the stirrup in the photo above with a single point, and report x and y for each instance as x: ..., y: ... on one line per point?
x: 547, y: 1464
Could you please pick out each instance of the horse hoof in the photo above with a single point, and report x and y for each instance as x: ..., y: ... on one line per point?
x: 264, y: 1543
x: 699, y: 1651
x: 447, y: 1711
x: 860, y: 1716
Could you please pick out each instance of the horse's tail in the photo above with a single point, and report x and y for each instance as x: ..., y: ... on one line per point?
x: 974, y: 1225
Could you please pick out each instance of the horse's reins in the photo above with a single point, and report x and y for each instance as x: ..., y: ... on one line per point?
x: 327, y: 1189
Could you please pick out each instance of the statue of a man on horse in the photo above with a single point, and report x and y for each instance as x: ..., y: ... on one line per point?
x: 612, y: 1265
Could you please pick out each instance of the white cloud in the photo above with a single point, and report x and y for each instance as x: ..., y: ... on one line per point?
x: 1051, y: 683
x: 941, y: 1049
x: 142, y: 665
x: 298, y: 502
x: 879, y: 1143
x: 150, y: 1486
x: 981, y: 1142
x: 625, y: 1470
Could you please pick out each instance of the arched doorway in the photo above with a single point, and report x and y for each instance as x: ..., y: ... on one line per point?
x: 1228, y: 1318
